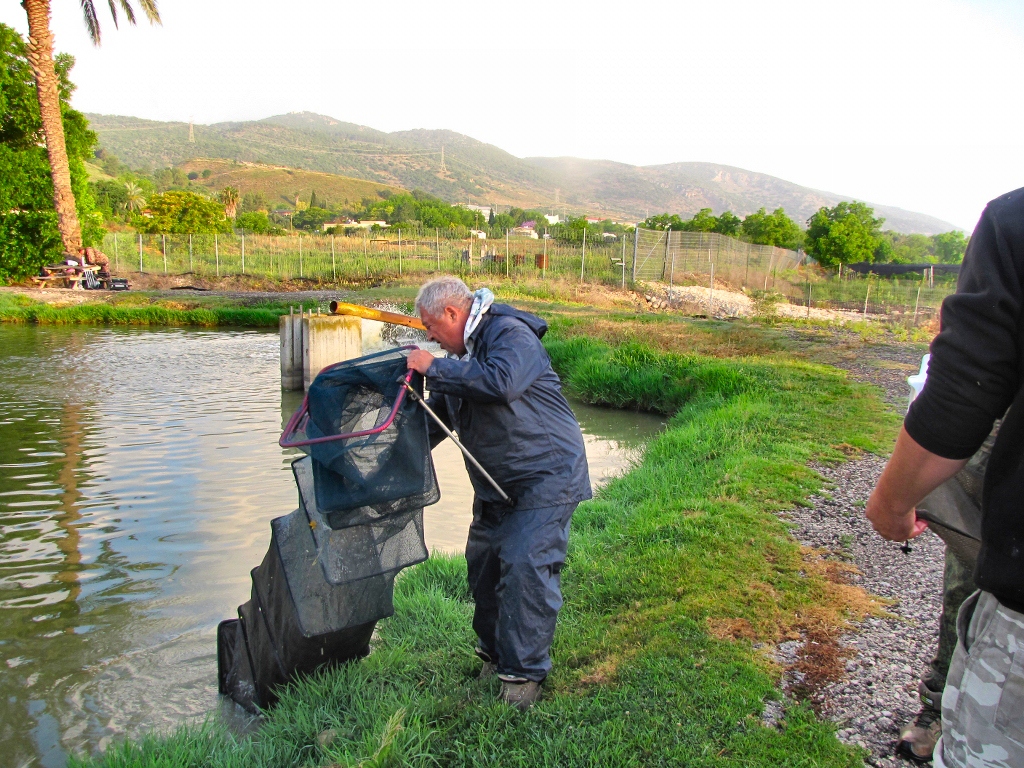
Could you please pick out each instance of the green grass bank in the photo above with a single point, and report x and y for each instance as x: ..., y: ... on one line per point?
x: 676, y: 574
x: 22, y: 309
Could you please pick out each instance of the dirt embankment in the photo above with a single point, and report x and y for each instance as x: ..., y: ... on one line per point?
x: 725, y: 302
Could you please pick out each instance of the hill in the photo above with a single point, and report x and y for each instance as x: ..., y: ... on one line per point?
x: 688, y: 187
x: 283, y: 185
x: 474, y: 171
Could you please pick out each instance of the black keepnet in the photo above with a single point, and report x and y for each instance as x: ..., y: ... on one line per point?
x: 329, y: 573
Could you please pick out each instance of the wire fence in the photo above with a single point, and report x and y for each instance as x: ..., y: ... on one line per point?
x: 370, y: 255
x: 671, y: 258
x: 688, y: 258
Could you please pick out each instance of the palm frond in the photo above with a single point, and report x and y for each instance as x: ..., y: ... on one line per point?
x: 129, y: 12
x: 91, y: 22
x: 150, y: 9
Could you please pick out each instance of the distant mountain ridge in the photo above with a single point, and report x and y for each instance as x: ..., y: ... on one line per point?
x: 476, y: 172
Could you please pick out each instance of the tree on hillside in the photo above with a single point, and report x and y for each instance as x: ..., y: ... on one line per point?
x: 703, y: 221
x: 48, y: 92
x: 664, y: 221
x: 229, y: 199
x: 133, y: 199
x: 775, y: 228
x: 311, y: 218
x: 182, y: 213
x: 257, y: 223
x: 29, y: 227
x: 728, y: 224
x: 950, y: 246
x: 845, y: 234
x: 254, y: 202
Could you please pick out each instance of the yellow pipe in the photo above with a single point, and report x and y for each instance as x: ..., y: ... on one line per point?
x: 355, y: 310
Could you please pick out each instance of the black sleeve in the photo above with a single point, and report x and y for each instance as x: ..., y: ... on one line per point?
x: 974, y: 370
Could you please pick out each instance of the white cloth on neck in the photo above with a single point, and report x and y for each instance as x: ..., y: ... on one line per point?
x: 482, y: 300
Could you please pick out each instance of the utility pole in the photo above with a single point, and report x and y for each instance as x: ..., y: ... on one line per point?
x: 442, y: 159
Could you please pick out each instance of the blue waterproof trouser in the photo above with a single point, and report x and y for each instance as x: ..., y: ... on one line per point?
x: 515, y: 559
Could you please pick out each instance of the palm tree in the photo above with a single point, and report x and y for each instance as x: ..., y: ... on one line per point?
x: 229, y: 199
x: 40, y: 58
x: 134, y: 201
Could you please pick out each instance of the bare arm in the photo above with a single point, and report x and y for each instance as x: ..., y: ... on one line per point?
x: 911, y: 474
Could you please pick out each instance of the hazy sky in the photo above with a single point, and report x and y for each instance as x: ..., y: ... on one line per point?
x: 915, y: 103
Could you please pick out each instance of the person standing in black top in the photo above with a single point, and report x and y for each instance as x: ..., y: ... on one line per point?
x: 976, y: 373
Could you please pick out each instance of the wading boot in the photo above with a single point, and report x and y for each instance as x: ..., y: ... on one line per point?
x: 519, y: 692
x: 489, y: 667
x: 917, y: 739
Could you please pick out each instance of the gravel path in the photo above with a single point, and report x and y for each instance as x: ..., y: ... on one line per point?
x: 886, y: 654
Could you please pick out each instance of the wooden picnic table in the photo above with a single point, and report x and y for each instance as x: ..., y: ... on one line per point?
x: 72, y: 276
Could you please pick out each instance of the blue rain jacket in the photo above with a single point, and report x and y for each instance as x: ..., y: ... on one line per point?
x: 506, y: 405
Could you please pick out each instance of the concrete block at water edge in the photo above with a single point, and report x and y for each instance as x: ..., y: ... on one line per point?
x: 290, y: 329
x: 328, y: 339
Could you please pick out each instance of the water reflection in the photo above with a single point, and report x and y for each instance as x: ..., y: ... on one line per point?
x: 138, y: 473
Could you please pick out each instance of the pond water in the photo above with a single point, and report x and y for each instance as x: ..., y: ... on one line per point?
x: 139, y: 471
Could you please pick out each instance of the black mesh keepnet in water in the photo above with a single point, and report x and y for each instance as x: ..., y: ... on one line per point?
x: 374, y: 476
x: 329, y: 573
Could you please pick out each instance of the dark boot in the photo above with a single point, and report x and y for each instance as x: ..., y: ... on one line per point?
x: 520, y: 693
x: 489, y: 667
x: 917, y: 739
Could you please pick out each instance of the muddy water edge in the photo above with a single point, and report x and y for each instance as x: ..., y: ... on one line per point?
x: 139, y: 471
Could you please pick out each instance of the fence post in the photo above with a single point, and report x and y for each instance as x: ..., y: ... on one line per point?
x: 334, y: 265
x: 216, y: 252
x: 140, y: 253
x: 366, y: 262
x: 917, y: 301
x: 866, y: 294
x: 746, y: 269
x: 770, y: 257
x: 623, y: 261
x: 300, y: 256
x: 506, y: 253
x: 544, y: 260
x: 437, y: 246
x: 672, y: 266
x: 711, y: 292
x: 664, y: 262
x: 163, y: 245
x: 115, y: 252
x: 583, y: 257
x: 636, y: 245
x: 190, y: 268
x: 399, y: 253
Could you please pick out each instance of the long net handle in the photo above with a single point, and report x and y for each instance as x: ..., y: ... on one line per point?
x: 416, y: 397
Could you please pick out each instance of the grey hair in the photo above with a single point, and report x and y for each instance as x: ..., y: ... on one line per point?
x: 434, y: 295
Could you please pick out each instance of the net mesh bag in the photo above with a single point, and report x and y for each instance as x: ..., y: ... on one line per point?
x: 369, y: 442
x: 358, y: 552
x: 329, y: 573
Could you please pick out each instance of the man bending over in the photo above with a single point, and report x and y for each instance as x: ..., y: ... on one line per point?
x: 497, y: 390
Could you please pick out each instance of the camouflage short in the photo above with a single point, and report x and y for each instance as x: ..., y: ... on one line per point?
x: 983, y: 703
